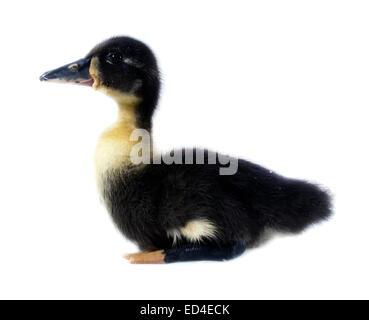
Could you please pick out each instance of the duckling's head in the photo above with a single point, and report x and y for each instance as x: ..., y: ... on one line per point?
x: 121, y: 67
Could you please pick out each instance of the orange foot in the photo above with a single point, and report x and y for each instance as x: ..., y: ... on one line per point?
x: 153, y: 257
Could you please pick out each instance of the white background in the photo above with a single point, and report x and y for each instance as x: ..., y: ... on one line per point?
x: 281, y: 83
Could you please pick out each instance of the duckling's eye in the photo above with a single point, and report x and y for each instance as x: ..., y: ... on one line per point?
x: 113, y: 58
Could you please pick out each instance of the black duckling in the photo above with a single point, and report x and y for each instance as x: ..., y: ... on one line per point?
x: 180, y: 212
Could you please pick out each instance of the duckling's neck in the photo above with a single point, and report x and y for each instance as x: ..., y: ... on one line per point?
x: 114, y: 145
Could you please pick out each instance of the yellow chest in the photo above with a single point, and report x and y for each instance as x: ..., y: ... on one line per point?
x: 114, y: 145
x: 113, y: 150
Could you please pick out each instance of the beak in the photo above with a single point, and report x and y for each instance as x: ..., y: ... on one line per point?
x: 76, y: 72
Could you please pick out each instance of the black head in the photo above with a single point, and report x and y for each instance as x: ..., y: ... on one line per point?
x: 121, y: 67
x: 125, y: 64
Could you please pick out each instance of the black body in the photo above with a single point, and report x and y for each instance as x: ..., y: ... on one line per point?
x: 145, y: 203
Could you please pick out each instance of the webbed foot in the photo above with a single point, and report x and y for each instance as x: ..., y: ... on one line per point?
x: 153, y: 257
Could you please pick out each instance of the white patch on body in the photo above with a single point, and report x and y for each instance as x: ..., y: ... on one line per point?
x: 194, y: 231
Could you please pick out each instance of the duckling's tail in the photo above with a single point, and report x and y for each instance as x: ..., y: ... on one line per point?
x: 299, y: 205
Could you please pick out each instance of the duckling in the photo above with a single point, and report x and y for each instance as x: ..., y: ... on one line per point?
x: 179, y: 211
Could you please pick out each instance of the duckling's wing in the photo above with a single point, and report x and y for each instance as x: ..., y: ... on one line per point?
x: 198, y: 202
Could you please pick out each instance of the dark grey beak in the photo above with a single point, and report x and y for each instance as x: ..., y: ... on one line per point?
x: 76, y: 72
